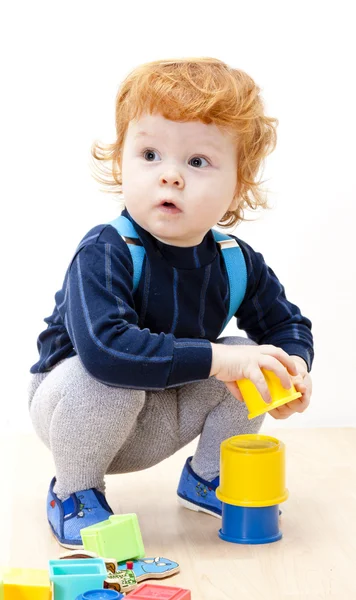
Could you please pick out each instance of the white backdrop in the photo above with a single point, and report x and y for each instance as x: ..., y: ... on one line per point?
x: 63, y: 64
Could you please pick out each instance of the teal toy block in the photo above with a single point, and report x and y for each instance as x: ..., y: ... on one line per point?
x: 71, y: 578
x: 119, y: 537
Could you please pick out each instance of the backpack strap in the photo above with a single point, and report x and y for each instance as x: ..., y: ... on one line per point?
x: 236, y: 271
x: 231, y: 253
x: 128, y: 233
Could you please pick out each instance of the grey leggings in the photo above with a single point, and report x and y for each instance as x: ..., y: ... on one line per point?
x: 93, y: 429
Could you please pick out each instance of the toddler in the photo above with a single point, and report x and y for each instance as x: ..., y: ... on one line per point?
x: 131, y: 367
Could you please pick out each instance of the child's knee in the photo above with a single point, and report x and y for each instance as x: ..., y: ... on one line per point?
x: 238, y: 413
x: 41, y: 407
x: 33, y: 385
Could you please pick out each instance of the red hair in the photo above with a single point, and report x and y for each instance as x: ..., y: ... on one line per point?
x: 204, y: 89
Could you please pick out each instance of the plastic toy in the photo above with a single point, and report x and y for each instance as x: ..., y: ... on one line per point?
x: 128, y: 575
x: 151, y: 568
x: 100, y: 595
x: 25, y: 584
x: 119, y: 536
x: 73, y: 577
x: 252, y: 484
x: 146, y: 591
x: 121, y: 581
x: 254, y: 401
x: 125, y: 576
x: 78, y: 554
x: 110, y: 563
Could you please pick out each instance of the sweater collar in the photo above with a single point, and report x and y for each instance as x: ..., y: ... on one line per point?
x: 192, y: 257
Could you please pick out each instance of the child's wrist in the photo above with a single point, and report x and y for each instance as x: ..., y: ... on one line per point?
x: 215, y: 361
x: 300, y: 360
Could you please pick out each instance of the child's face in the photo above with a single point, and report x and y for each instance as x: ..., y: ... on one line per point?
x: 190, y: 165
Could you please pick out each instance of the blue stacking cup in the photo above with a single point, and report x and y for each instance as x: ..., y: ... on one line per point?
x: 100, y: 595
x: 250, y: 525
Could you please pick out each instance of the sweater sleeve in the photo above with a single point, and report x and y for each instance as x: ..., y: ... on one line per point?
x: 267, y: 316
x: 103, y: 326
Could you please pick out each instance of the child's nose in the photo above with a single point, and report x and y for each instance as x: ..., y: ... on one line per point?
x: 172, y: 178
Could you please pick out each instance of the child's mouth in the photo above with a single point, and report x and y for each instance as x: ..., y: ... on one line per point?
x: 169, y: 207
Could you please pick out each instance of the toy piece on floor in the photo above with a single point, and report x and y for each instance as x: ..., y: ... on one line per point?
x: 80, y: 554
x: 146, y: 591
x: 73, y: 577
x: 119, y: 536
x: 121, y: 581
x: 110, y: 563
x: 100, y: 595
x: 252, y: 484
x: 27, y: 584
x: 151, y: 568
x: 125, y: 576
x: 254, y: 401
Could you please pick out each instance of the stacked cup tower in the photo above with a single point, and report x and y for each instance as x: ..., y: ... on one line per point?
x: 252, y: 485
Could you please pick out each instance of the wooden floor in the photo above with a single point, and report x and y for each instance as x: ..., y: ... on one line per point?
x: 315, y: 559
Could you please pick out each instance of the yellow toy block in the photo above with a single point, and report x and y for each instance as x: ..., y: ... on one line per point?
x: 25, y: 584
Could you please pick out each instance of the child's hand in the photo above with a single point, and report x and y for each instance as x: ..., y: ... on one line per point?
x: 303, y: 384
x: 231, y: 363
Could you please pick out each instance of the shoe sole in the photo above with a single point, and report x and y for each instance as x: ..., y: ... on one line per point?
x: 71, y: 546
x: 196, y: 508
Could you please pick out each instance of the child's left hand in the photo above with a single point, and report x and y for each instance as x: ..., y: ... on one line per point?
x: 303, y: 384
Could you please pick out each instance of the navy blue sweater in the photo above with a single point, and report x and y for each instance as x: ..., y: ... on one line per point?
x: 160, y: 336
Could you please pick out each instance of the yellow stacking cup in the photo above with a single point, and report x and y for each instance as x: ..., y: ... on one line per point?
x: 254, y: 401
x: 252, y: 471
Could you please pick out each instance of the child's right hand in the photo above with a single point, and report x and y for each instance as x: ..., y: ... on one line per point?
x: 231, y: 363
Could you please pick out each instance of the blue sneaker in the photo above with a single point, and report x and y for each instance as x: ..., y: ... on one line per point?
x: 196, y: 493
x: 66, y: 518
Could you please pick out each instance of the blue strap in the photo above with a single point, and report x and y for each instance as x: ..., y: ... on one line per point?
x: 126, y: 229
x: 236, y: 272
x: 233, y: 258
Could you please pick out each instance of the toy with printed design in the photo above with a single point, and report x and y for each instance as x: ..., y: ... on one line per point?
x: 147, y: 591
x: 151, y: 568
x: 124, y: 577
x: 119, y: 581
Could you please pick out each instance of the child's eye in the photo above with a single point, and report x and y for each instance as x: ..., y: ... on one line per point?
x: 196, y: 161
x: 149, y: 155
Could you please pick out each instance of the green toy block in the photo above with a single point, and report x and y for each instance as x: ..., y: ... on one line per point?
x: 119, y: 537
x: 71, y: 578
